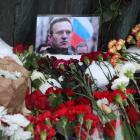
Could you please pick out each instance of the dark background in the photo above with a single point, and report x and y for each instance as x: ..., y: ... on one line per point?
x: 18, y: 17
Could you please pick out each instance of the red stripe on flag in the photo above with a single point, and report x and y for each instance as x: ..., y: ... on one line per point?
x: 76, y: 40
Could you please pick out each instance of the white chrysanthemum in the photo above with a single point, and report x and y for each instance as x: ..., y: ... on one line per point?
x: 102, y: 101
x: 9, y: 131
x: 3, y: 111
x: 123, y: 80
x: 49, y: 83
x: 37, y: 75
x: 17, y: 119
x: 17, y: 134
x: 96, y: 72
x: 20, y: 134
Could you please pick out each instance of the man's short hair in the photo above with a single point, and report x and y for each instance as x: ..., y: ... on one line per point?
x: 56, y: 21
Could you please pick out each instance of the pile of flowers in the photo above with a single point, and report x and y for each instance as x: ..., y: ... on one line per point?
x: 66, y: 101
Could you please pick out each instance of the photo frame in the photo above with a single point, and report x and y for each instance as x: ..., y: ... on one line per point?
x: 84, y: 34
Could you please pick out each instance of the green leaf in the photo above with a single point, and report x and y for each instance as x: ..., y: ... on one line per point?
x: 36, y: 83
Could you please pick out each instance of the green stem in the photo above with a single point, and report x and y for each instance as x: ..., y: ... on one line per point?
x: 65, y: 132
x: 134, y: 81
x: 128, y: 122
x: 80, y: 130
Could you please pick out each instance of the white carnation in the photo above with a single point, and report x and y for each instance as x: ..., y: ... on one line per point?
x: 102, y: 101
x: 128, y: 67
x: 20, y: 134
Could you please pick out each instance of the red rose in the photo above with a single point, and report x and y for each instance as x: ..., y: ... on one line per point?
x: 36, y: 100
x: 20, y: 48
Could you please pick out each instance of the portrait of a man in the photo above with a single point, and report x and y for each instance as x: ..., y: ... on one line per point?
x: 66, y: 35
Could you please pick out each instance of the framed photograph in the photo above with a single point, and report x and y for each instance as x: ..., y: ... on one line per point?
x: 65, y: 34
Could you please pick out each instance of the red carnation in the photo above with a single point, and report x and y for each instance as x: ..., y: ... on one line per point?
x: 111, y: 127
x: 133, y: 115
x: 43, y: 129
x: 68, y: 92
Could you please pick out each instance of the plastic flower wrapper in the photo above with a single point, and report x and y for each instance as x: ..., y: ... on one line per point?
x: 14, y: 84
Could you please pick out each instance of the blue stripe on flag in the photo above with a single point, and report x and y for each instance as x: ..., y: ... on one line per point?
x: 80, y: 29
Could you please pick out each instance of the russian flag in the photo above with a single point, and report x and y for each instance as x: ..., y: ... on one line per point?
x: 82, y: 30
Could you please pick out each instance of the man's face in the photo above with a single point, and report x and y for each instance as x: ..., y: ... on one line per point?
x: 62, y: 34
